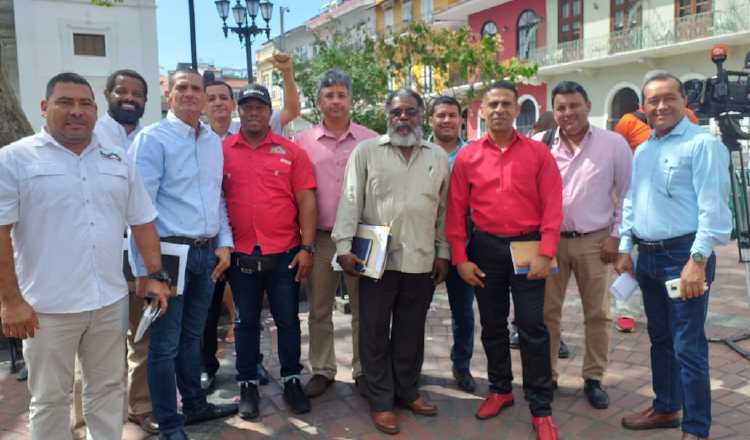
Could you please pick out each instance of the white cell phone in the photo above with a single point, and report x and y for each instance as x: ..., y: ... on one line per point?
x: 673, y: 288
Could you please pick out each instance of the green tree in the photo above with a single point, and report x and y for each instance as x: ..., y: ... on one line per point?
x: 369, y: 81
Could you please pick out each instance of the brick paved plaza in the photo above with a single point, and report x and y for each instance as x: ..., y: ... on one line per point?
x: 342, y: 414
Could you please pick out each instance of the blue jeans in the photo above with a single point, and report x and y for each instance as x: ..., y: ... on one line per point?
x: 283, y: 297
x: 679, y: 349
x: 174, y: 352
x: 461, y: 299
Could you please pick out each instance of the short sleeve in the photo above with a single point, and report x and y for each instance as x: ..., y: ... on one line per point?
x: 140, y: 208
x: 303, y: 176
x: 9, y: 189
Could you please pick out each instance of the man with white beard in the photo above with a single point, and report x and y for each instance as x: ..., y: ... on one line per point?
x: 400, y: 180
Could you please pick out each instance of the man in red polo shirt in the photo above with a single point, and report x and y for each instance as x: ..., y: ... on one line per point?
x: 512, y: 187
x: 269, y: 190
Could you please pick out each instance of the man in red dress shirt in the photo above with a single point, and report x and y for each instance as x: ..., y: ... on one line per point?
x: 269, y: 190
x: 512, y: 187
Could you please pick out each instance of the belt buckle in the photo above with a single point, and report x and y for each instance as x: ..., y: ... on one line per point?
x: 200, y: 242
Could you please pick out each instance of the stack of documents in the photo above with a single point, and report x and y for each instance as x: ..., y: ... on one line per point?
x: 521, y: 252
x: 370, y: 245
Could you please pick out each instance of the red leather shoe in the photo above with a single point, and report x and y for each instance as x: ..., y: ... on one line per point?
x: 493, y: 404
x: 545, y: 428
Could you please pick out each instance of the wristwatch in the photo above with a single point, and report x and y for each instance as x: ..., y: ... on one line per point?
x: 161, y: 275
x: 697, y: 257
x: 310, y: 248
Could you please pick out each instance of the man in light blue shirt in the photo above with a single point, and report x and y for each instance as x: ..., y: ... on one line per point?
x: 676, y: 211
x: 181, y: 162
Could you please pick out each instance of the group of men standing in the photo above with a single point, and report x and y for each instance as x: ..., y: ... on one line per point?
x: 268, y: 213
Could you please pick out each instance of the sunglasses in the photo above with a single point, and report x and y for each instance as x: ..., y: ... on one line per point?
x: 410, y: 112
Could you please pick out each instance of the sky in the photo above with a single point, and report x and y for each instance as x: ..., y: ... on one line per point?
x: 173, y: 29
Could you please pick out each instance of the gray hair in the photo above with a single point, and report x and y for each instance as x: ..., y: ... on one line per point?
x: 335, y: 77
x: 404, y: 93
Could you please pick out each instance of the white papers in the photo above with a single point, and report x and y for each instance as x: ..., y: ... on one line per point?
x: 173, y: 259
x: 624, y: 286
x: 375, y: 264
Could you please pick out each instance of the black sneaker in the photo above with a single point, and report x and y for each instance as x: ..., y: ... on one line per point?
x: 514, y: 344
x: 564, y: 351
x: 263, y: 376
x: 249, y: 400
x: 211, y: 412
x: 295, y: 397
x: 598, y: 398
x: 464, y: 379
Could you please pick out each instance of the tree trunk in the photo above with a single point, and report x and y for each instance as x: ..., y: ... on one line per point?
x: 13, y: 122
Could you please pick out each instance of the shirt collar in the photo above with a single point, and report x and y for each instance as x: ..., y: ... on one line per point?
x: 556, y: 143
x: 110, y: 122
x: 321, y: 130
x: 236, y: 140
x: 182, y: 128
x: 488, y: 142
x: 386, y: 140
x: 677, y: 130
x: 46, y: 139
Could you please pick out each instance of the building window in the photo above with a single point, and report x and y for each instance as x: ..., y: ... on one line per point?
x: 526, y: 29
x: 427, y: 80
x: 527, y: 117
x: 489, y: 29
x: 91, y: 45
x: 426, y: 9
x: 406, y: 12
x: 570, y: 19
x: 388, y: 21
x: 624, y: 14
x: 691, y: 7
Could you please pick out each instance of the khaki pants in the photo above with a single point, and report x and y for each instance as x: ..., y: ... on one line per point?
x: 98, y: 339
x: 581, y: 256
x: 136, y: 379
x: 321, y: 292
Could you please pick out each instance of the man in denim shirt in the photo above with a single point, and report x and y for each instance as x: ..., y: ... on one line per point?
x: 676, y: 211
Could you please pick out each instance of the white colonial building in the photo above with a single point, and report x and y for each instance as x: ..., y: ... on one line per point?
x: 53, y: 36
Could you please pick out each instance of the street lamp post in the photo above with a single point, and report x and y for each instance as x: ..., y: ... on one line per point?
x: 246, y: 29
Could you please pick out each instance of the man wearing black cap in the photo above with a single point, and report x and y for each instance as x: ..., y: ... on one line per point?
x: 269, y: 188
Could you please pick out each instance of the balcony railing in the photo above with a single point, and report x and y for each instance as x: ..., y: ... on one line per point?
x: 691, y: 27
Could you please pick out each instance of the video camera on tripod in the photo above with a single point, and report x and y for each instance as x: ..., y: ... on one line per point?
x: 725, y: 97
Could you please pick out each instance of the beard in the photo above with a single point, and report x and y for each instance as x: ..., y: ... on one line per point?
x: 410, y: 140
x: 129, y: 117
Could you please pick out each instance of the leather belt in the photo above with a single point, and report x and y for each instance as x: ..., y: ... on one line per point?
x: 525, y: 236
x: 664, y: 244
x: 576, y: 234
x: 192, y: 242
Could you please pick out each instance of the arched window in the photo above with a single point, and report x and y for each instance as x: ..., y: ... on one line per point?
x: 528, y: 22
x: 624, y: 101
x: 527, y: 117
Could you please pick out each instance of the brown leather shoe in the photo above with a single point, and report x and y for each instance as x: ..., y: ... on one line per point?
x: 650, y: 419
x: 423, y: 407
x: 385, y: 421
x: 687, y: 436
x: 145, y: 421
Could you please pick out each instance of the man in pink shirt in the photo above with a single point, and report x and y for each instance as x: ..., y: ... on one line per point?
x: 329, y: 145
x: 595, y: 166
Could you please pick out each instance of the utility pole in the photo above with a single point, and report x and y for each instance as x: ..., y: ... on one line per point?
x: 282, y: 9
x: 193, y: 49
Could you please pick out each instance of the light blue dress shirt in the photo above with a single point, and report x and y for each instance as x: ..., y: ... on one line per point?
x: 680, y: 185
x: 182, y: 173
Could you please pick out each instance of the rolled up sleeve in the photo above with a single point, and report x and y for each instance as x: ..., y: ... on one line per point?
x: 9, y: 190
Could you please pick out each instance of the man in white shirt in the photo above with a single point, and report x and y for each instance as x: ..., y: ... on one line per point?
x: 126, y: 94
x: 65, y: 200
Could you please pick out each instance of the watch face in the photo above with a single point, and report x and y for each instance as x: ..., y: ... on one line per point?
x: 489, y: 28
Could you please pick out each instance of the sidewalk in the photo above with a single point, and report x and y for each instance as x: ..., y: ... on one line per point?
x: 342, y: 414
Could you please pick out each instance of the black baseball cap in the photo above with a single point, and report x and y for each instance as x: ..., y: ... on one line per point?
x: 254, y: 91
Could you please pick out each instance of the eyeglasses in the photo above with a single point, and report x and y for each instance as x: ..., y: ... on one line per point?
x: 410, y: 112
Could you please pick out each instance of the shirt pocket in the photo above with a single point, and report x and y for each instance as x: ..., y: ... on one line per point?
x: 47, y: 183
x: 277, y: 175
x: 676, y: 173
x: 113, y: 182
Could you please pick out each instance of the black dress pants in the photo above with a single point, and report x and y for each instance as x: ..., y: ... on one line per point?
x: 392, y: 313
x: 492, y: 255
x: 210, y: 336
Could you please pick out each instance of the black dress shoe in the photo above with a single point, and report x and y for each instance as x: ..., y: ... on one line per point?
x: 317, y: 385
x: 563, y: 352
x: 598, y: 398
x: 464, y: 379
x: 212, y: 411
x: 263, y: 376
x: 249, y: 400
x: 514, y: 340
x: 295, y: 397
